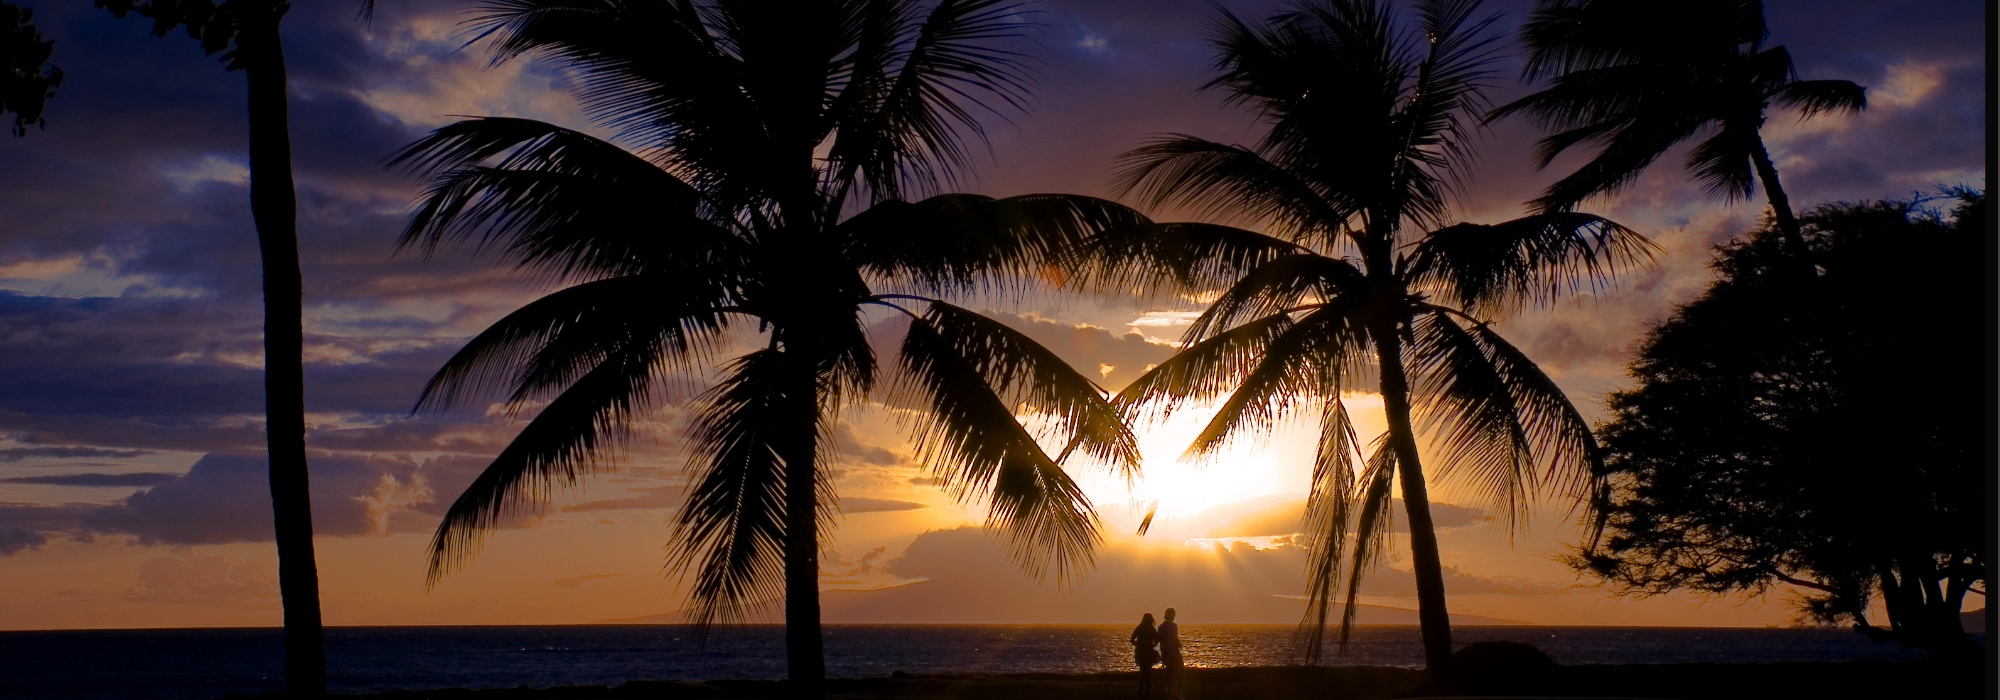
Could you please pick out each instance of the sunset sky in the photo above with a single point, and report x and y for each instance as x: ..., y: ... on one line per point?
x: 132, y: 487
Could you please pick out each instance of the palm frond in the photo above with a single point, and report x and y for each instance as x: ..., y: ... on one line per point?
x: 979, y: 452
x: 1152, y: 259
x: 556, y: 201
x: 1022, y: 373
x: 877, y: 31
x: 1441, y: 112
x: 1373, y: 526
x: 1604, y: 98
x: 1336, y: 460
x: 1340, y: 85
x: 652, y: 72
x: 1815, y: 97
x: 848, y: 365
x: 1203, y: 370
x: 1321, y: 355
x: 1625, y: 154
x: 1330, y: 509
x: 1569, y: 36
x: 535, y: 145
x: 950, y: 70
x: 1559, y: 434
x: 1329, y: 77
x: 1721, y: 163
x: 731, y: 533
x: 1537, y: 260
x: 1214, y: 179
x: 1548, y: 149
x: 543, y: 346
x: 1461, y: 60
x: 1470, y: 412
x: 556, y: 449
x: 1277, y: 286
x: 963, y: 243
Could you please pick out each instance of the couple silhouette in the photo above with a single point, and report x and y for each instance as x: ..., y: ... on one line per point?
x: 1151, y: 646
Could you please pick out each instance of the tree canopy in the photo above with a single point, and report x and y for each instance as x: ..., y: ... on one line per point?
x: 1833, y: 446
x: 27, y: 80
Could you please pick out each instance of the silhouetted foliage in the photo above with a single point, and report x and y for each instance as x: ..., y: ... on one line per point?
x: 1635, y: 77
x: 1357, y: 283
x: 246, y: 33
x: 1835, y: 446
x: 27, y: 79
x: 723, y: 226
x: 213, y: 25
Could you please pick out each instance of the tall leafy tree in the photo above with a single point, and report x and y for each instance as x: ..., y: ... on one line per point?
x: 246, y: 33
x: 1833, y: 449
x: 1633, y: 78
x: 759, y: 202
x: 1354, y: 281
x: 27, y: 79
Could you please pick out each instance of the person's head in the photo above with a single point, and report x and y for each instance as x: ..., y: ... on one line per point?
x: 1170, y: 614
x: 1146, y: 619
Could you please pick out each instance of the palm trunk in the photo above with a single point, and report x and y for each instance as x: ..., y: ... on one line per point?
x: 274, y: 207
x: 1781, y: 207
x: 1432, y: 617
x: 805, y: 649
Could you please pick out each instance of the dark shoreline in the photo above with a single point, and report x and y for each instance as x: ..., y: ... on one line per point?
x: 1930, y: 680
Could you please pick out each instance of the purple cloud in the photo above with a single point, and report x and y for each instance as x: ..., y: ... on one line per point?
x: 16, y: 454
x: 96, y: 480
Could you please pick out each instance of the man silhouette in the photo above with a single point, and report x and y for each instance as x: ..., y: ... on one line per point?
x: 1170, y: 653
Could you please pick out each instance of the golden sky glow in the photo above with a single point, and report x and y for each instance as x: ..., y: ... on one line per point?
x: 129, y: 495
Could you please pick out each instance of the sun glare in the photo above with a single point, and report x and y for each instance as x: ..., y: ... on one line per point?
x: 1182, y: 489
x: 1188, y: 496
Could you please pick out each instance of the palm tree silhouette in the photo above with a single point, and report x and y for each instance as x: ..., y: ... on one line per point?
x: 246, y: 33
x: 753, y: 132
x: 1636, y: 77
x: 1355, y: 278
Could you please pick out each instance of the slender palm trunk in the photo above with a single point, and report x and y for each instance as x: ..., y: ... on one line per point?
x: 805, y: 649
x: 274, y: 206
x: 1432, y: 617
x: 1781, y: 206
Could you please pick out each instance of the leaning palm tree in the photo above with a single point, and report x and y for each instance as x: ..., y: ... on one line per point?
x: 1636, y: 77
x: 755, y: 210
x: 1355, y: 283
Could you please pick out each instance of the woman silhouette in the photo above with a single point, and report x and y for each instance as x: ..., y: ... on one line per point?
x: 1143, y: 639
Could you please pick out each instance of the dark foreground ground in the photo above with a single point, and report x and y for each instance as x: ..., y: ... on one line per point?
x: 1860, y: 679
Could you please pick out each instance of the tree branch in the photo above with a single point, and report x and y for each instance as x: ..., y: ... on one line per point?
x: 1803, y: 583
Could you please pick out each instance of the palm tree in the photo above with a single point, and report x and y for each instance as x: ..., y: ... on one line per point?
x: 1354, y: 277
x: 249, y: 32
x: 725, y: 229
x: 1636, y: 77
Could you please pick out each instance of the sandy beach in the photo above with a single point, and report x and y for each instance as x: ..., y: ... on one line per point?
x: 1729, y: 681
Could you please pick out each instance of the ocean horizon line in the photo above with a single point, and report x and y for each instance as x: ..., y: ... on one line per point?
x: 768, y: 625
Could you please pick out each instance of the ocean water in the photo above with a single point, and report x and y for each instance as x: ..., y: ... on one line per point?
x: 196, y: 664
